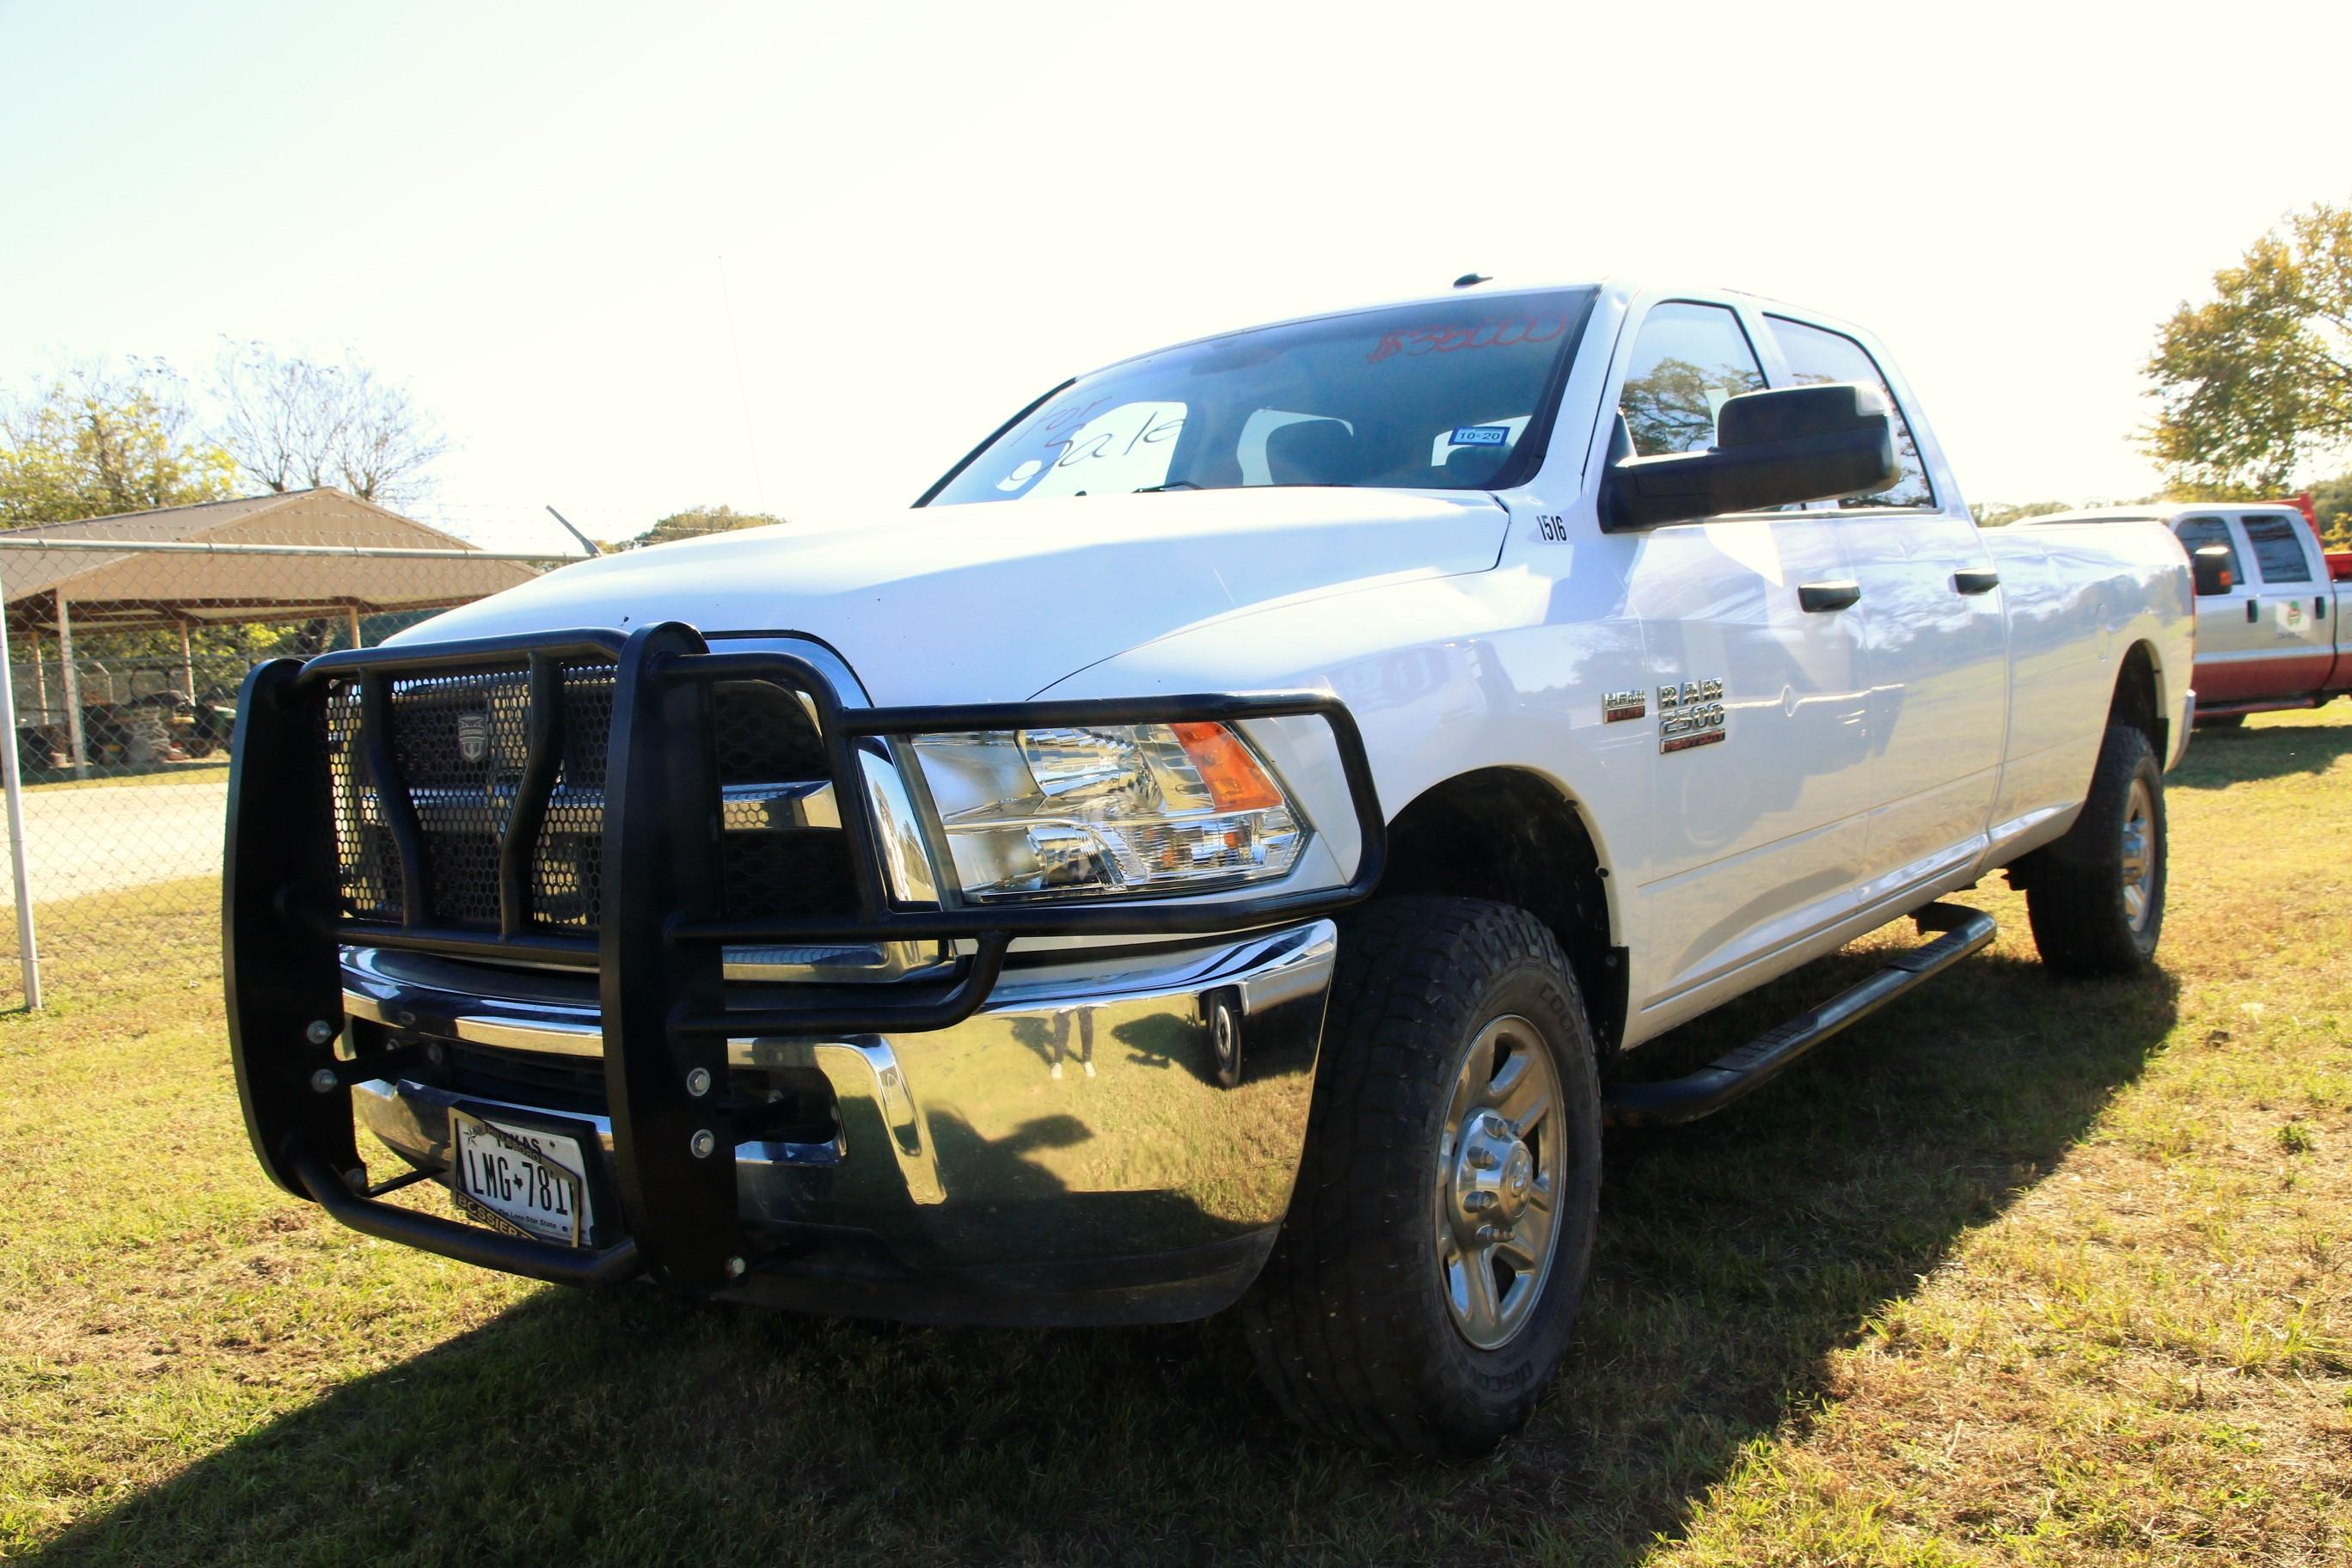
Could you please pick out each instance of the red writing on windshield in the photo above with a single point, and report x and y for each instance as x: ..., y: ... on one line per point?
x: 1495, y: 332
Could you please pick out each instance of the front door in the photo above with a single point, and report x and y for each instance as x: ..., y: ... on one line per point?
x: 1753, y: 838
x: 2233, y: 652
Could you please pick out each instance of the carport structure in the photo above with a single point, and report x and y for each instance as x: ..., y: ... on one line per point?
x: 301, y: 555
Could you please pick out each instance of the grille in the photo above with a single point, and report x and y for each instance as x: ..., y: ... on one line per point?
x: 460, y: 743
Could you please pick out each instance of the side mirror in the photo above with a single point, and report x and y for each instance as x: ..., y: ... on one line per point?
x: 1771, y: 449
x: 2210, y: 565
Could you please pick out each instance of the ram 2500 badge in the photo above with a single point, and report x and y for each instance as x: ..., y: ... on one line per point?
x: 1215, y: 850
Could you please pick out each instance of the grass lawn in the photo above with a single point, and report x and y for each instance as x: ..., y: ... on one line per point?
x: 2015, y: 1272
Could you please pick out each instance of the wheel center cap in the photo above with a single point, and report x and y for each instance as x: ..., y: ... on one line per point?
x: 1495, y: 1178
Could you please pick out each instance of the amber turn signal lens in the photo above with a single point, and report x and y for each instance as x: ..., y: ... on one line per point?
x: 1235, y: 781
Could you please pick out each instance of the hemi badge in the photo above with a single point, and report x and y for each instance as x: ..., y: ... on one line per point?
x: 1618, y: 706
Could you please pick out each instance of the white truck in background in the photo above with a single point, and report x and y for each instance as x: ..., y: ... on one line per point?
x: 2270, y: 617
x: 1218, y: 848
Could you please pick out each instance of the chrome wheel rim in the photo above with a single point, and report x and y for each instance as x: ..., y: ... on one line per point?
x: 2139, y: 856
x: 1502, y: 1165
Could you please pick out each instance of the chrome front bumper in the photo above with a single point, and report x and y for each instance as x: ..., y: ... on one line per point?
x: 1079, y: 1149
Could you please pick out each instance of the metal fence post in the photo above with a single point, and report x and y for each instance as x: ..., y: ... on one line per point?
x: 28, y: 954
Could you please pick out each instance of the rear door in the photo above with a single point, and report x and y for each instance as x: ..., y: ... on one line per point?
x: 2292, y: 594
x: 1936, y: 640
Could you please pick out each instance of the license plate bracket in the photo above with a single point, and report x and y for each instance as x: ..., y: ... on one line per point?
x: 528, y: 1174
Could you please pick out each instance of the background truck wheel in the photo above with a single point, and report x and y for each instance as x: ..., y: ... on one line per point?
x: 2096, y: 898
x: 1439, y: 1237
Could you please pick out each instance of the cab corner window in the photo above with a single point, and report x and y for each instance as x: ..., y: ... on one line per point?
x: 1818, y: 356
x: 1688, y: 362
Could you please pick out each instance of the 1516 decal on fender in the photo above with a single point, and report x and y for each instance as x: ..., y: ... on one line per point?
x: 1690, y: 715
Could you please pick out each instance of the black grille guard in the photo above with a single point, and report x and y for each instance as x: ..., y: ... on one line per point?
x: 659, y: 950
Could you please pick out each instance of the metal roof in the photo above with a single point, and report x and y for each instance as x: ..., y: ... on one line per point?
x: 140, y: 591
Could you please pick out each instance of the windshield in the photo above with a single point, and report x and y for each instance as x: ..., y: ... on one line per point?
x: 1438, y: 395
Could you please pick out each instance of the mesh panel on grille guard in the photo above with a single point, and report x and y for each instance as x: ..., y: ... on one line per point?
x: 460, y: 742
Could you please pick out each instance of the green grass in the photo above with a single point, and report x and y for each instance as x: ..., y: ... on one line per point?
x: 2015, y: 1272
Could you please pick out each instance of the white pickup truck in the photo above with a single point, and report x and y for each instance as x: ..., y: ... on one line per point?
x: 2270, y: 622
x: 1216, y: 848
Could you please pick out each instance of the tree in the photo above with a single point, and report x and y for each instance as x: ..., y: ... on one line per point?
x: 2331, y: 505
x: 695, y: 521
x: 89, y: 442
x: 2257, y: 380
x: 296, y: 424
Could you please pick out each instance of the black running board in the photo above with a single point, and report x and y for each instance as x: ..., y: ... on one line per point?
x: 1767, y: 1057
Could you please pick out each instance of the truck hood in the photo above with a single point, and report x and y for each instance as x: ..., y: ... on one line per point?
x: 973, y: 604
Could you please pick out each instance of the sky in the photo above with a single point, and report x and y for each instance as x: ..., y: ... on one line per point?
x: 799, y: 259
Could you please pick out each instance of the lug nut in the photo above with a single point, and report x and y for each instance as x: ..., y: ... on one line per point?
x: 698, y: 1082
x: 1477, y: 1201
x: 734, y: 1268
x: 1481, y: 1158
x: 319, y: 1032
x: 324, y: 1081
x: 436, y: 1052
x: 703, y: 1144
x: 1487, y: 1233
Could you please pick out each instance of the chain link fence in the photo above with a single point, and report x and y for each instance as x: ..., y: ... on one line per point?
x: 127, y: 640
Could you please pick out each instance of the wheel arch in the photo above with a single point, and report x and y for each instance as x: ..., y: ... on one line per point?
x: 2139, y: 697
x: 1515, y: 836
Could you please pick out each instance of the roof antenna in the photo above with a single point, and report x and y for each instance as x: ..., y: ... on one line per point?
x: 1471, y: 280
x: 585, y: 542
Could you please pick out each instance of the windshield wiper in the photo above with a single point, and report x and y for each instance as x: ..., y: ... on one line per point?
x: 1170, y: 485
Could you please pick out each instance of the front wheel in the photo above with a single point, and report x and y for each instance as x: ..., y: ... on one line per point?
x: 1438, y: 1241
x: 2096, y: 898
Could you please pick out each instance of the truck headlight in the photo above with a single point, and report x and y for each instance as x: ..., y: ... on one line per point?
x: 1109, y: 809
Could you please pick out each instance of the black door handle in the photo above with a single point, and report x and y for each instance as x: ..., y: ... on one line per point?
x: 2319, y: 609
x: 2254, y: 614
x: 1976, y: 580
x: 1828, y: 595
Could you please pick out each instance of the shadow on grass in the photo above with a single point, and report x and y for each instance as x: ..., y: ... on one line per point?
x: 1735, y: 1255
x: 2220, y: 758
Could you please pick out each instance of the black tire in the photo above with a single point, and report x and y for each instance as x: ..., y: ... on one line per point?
x: 2079, y: 895
x: 1351, y: 1322
x: 2221, y: 721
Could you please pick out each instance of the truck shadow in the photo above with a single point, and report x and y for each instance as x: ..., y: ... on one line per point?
x: 1735, y: 1256
x: 2220, y: 758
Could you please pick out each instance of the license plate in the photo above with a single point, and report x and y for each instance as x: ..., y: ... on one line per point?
x: 524, y: 1180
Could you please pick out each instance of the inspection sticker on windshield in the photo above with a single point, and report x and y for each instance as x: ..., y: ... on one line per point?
x: 1480, y: 434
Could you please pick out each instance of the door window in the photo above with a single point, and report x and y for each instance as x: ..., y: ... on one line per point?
x: 1688, y: 362
x: 1817, y: 357
x: 2278, y: 551
x: 2196, y: 532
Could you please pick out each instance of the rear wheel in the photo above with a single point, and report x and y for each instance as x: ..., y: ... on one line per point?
x: 2096, y: 898
x: 1440, y: 1232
